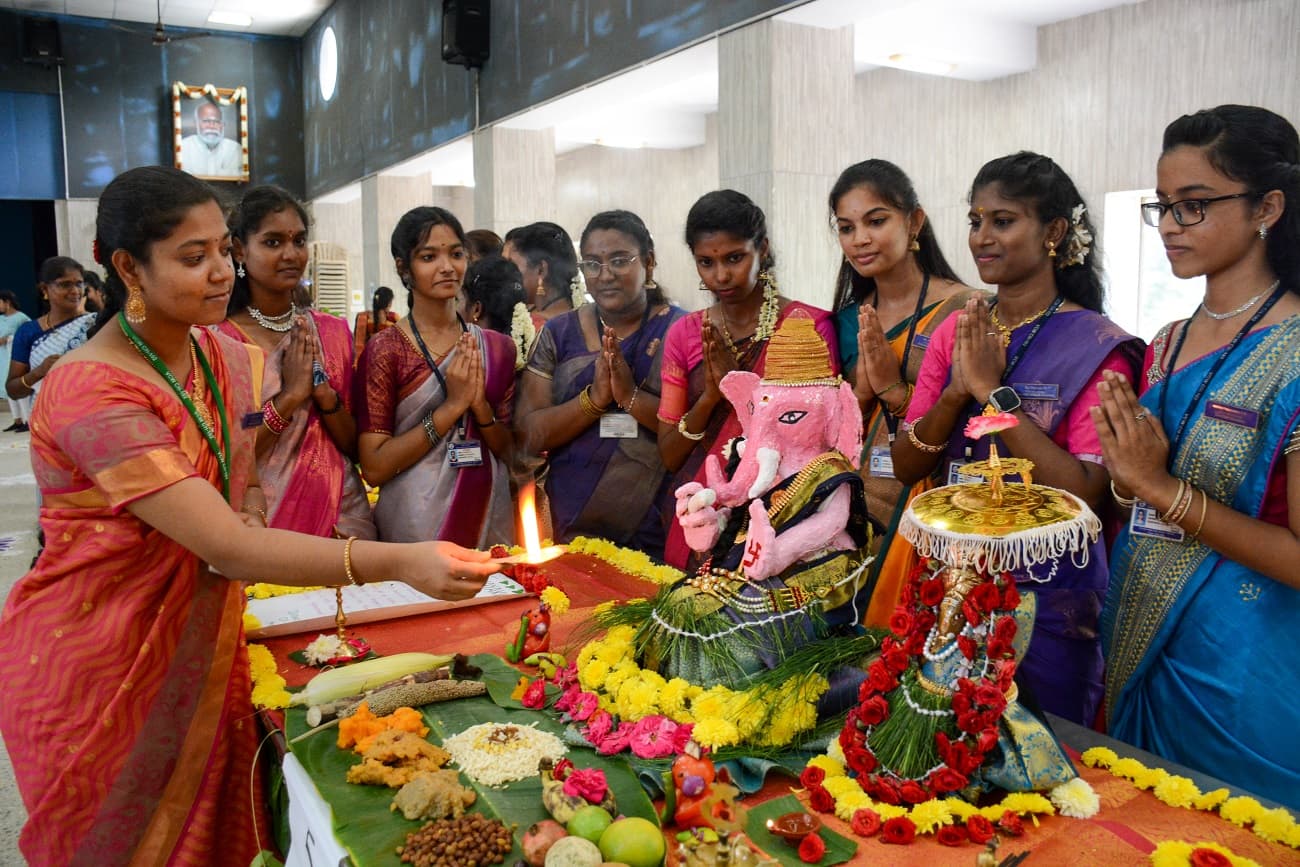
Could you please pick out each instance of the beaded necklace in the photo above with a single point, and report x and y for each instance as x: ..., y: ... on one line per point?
x: 202, y: 418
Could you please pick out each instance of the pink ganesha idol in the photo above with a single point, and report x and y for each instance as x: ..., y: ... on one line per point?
x: 784, y: 524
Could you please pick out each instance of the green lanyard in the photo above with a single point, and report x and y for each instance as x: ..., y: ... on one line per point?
x: 223, y: 460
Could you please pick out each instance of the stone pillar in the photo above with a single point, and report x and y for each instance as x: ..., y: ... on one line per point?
x: 514, y: 177
x: 785, y: 132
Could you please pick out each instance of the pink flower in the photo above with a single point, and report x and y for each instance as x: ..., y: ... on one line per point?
x: 615, y: 741
x: 586, y: 704
x: 682, y: 736
x: 565, y: 701
x: 652, y: 737
x: 599, y: 726
x: 588, y: 784
x: 981, y: 425
x: 566, y: 676
x: 535, y: 695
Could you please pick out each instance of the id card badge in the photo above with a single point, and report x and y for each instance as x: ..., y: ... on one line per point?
x: 881, y: 463
x: 617, y: 426
x: 468, y: 453
x: 957, y: 477
x: 1146, y: 522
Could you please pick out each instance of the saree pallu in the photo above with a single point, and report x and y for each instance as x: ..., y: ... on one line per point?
x: 1064, y: 664
x: 1200, y: 649
x: 128, y: 714
x: 58, y: 340
x: 431, y: 499
x: 887, y: 498
x: 606, y: 487
x: 684, y: 381
x: 311, y: 487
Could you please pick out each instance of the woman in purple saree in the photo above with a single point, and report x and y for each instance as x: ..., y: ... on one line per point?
x: 432, y: 397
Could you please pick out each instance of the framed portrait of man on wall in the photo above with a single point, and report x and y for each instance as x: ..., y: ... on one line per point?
x: 210, y: 131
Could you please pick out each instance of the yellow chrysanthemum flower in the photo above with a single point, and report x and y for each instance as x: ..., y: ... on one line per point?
x: 1149, y: 778
x: 554, y: 598
x: 1026, y: 803
x: 590, y: 651
x: 835, y: 751
x: 593, y: 674
x: 1275, y: 826
x: 1212, y: 800
x: 715, y: 733
x: 712, y: 703
x: 1240, y: 811
x: 850, y: 803
x: 1177, y: 791
x: 841, y: 786
x: 1177, y: 853
x: 268, y: 685
x: 251, y: 622
x: 831, y: 767
x: 619, y: 673
x: 613, y: 653
x: 1127, y: 768
x: 621, y: 634
x: 928, y: 816
x: 889, y: 811
x: 603, y: 607
x: 672, y: 700
x: 637, y: 699
x: 1099, y: 757
x: 962, y: 810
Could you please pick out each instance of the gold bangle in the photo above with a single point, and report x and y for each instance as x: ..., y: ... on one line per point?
x: 887, y: 389
x: 347, y: 562
x: 902, y: 407
x: 681, y: 429
x: 588, y: 405
x: 1126, y: 502
x: 1181, y: 503
x: 23, y: 380
x: 1200, y: 525
x: 257, y: 512
x: 916, y: 441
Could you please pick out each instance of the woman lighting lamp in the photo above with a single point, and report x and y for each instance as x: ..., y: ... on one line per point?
x: 150, y: 491
x: 590, y: 394
x: 1039, y: 351
x: 1205, y: 593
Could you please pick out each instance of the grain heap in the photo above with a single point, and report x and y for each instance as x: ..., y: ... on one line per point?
x: 494, y: 754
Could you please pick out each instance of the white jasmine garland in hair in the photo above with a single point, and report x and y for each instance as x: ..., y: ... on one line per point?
x: 578, y: 290
x: 1080, y: 240
x: 522, y: 333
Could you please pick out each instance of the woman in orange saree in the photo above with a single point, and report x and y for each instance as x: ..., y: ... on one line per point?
x: 127, y: 715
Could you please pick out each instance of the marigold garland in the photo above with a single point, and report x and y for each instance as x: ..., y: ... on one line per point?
x: 268, y: 685
x: 1177, y: 853
x: 263, y: 590
x: 636, y: 563
x: 1275, y: 826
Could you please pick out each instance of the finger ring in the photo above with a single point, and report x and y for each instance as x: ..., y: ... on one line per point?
x: 990, y: 334
x: 1140, y: 416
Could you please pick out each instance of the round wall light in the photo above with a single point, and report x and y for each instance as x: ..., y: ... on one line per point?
x: 328, y: 68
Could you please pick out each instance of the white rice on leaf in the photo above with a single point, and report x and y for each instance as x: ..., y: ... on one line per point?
x: 493, y: 754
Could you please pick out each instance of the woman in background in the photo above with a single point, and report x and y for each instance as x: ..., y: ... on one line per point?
x: 376, y: 319
x: 11, y: 318
x: 895, y: 288
x: 543, y: 253
x: 1039, y: 351
x: 307, y: 438
x: 482, y: 243
x: 38, y: 344
x: 590, y: 395
x: 1200, y: 626
x: 727, y: 235
x: 432, y: 401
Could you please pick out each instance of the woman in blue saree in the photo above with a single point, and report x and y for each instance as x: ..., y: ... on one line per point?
x: 1204, y: 602
x: 590, y: 394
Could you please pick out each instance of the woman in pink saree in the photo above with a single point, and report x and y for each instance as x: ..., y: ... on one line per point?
x: 127, y: 711
x: 306, y: 465
x: 432, y: 400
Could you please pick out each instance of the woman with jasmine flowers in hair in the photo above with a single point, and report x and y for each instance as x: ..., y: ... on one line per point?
x: 1201, y: 617
x: 543, y: 253
x: 590, y: 394
x: 1038, y: 350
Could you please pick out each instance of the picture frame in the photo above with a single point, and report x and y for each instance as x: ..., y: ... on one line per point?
x: 210, y: 131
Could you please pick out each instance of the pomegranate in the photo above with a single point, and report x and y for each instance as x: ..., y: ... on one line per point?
x: 539, y: 839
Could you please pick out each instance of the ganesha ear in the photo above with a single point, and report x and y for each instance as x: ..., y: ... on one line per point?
x: 848, y: 438
x: 739, y: 387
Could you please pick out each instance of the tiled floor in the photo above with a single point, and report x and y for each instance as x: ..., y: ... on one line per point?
x: 17, y: 545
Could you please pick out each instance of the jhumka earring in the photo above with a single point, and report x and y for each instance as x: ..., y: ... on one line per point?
x: 1051, y: 249
x: 135, y: 309
x: 239, y: 270
x: 650, y: 283
x: 1263, y: 231
x: 915, y: 246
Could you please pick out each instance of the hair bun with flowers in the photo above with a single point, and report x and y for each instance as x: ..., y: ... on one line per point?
x: 1079, y: 242
x: 578, y: 290
x: 522, y: 333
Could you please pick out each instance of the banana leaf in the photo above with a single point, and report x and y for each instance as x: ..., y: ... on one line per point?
x: 371, y: 833
x: 839, y: 848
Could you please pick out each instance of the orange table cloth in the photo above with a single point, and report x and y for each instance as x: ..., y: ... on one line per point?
x: 1126, y: 830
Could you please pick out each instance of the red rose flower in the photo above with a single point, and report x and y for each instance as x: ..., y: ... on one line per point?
x: 972, y: 613
x: 988, y: 737
x: 987, y: 596
x: 812, y: 849
x: 812, y: 776
x: 900, y: 830
x: 951, y: 835
x: 900, y: 622
x: 1006, y: 673
x: 865, y: 823
x: 913, y: 793
x: 932, y: 592
x: 821, y: 800
x: 561, y: 769
x: 968, y: 761
x: 885, y: 792
x: 908, y: 594
x: 979, y: 829
x: 535, y: 695
x: 860, y: 761
x: 961, y: 703
x: 1202, y: 857
x: 1005, y: 628
x: 947, y: 780
x: 988, y: 695
x: 970, y: 721
x: 924, y: 620
x: 1012, y: 824
x: 1010, y: 595
x: 880, y: 678
x: 896, y: 659
x: 999, y: 648
x: 874, y: 710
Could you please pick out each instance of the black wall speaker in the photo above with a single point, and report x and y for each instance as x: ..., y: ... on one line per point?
x: 465, y: 32
x: 40, y: 41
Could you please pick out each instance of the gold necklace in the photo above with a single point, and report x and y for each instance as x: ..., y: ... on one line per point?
x: 1006, y: 331
x: 197, y: 393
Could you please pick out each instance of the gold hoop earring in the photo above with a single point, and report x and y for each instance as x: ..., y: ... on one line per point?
x: 915, y: 246
x: 135, y: 310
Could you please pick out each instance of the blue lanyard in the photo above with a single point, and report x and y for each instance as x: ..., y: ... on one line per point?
x: 1214, y: 369
x: 891, y: 421
x: 424, y: 350
x: 1019, y: 355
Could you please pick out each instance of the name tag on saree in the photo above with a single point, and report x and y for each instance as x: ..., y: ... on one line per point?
x: 921, y: 341
x: 881, y: 463
x: 464, y: 454
x: 617, y: 426
x: 957, y: 477
x: 1240, y: 416
x: 251, y: 420
x: 1037, y: 390
x: 1146, y: 522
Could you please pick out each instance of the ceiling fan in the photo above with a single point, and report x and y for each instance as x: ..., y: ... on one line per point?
x: 161, y: 37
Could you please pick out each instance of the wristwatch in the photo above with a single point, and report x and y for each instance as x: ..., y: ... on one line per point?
x: 1004, y: 399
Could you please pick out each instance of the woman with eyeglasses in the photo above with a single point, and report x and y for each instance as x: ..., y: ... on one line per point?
x: 1204, y: 602
x: 11, y: 319
x: 1037, y: 350
x: 590, y: 393
x: 38, y: 344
